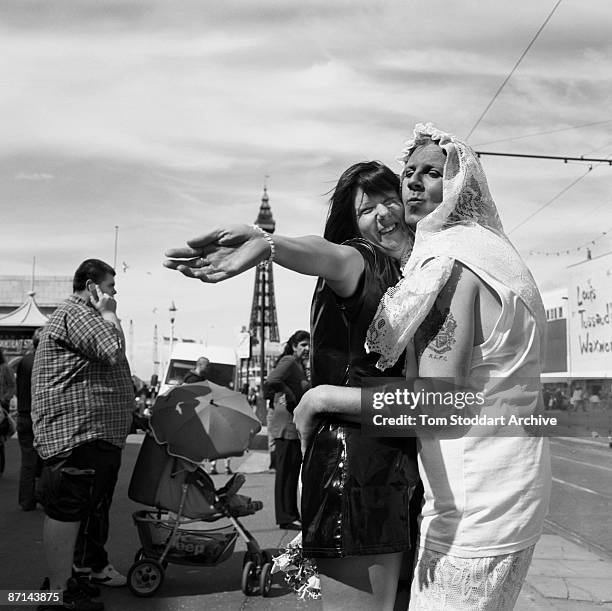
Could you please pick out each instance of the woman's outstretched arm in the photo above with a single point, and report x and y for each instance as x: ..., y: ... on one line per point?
x: 233, y: 249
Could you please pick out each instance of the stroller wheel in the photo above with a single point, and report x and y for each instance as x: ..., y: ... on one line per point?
x: 249, y: 578
x: 145, y: 577
x: 265, y: 579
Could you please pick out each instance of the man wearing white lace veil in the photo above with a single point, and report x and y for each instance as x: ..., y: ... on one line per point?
x: 464, y: 227
x: 471, y: 310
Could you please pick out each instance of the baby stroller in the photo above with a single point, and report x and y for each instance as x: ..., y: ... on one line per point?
x: 167, y: 476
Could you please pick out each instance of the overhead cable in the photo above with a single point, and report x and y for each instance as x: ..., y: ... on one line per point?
x: 556, y: 197
x: 544, y: 133
x: 564, y: 158
x: 520, y: 59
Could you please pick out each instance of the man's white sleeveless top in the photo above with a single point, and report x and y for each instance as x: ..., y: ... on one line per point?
x: 488, y: 495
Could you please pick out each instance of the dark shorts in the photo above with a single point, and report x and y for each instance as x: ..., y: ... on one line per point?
x: 72, y: 482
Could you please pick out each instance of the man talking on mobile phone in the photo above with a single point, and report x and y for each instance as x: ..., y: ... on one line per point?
x: 82, y: 402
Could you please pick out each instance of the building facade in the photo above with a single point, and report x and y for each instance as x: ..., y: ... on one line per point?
x: 25, y: 306
x: 579, y: 348
x: 50, y: 291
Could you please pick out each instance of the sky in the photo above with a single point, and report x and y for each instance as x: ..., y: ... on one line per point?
x: 164, y: 119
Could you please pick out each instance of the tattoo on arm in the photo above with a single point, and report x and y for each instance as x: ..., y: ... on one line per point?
x: 437, y: 332
x: 444, y: 339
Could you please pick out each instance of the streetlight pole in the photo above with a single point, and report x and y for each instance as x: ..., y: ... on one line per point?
x: 155, y: 351
x: 116, y: 241
x: 172, y: 310
x: 262, y: 348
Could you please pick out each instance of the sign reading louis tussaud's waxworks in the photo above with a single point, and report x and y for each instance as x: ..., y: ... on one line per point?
x: 590, y: 317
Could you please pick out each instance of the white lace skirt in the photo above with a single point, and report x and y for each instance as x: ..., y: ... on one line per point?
x: 452, y: 583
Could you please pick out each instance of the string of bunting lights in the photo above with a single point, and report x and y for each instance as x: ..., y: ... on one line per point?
x: 568, y: 251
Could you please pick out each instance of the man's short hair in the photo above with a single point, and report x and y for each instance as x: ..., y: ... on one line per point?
x: 91, y: 269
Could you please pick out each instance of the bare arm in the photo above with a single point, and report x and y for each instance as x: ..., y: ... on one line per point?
x: 228, y: 251
x: 444, y: 344
x: 343, y: 401
x: 445, y: 340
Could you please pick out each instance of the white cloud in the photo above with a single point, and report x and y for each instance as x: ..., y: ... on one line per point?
x: 34, y: 176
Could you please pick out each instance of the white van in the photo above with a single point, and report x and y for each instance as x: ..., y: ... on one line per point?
x: 184, y: 355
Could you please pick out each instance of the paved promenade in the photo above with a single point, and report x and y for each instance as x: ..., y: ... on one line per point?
x: 563, y: 576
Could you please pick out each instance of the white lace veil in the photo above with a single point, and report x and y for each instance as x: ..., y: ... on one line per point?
x: 464, y: 227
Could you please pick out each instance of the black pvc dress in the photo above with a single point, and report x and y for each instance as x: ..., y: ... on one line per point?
x: 356, y: 490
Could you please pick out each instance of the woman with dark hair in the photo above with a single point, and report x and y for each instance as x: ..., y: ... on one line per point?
x: 284, y: 387
x: 355, y: 489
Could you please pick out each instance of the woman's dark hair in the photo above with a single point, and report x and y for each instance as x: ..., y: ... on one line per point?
x: 294, y: 340
x: 2, y: 359
x: 90, y: 269
x: 374, y: 178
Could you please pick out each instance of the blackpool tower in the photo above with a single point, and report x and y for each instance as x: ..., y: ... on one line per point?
x: 263, y: 324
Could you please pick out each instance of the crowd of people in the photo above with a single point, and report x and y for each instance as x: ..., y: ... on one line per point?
x: 416, y: 281
x: 76, y: 404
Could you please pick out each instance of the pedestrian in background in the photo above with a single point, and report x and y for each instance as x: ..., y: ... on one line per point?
x: 82, y: 402
x: 287, y: 382
x: 577, y: 400
x: 7, y: 390
x: 252, y: 397
x: 199, y: 373
x: 31, y: 463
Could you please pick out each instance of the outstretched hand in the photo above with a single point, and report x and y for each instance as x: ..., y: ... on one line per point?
x: 219, y: 254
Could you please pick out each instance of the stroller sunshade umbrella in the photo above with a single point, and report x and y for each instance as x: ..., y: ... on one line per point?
x: 203, y: 420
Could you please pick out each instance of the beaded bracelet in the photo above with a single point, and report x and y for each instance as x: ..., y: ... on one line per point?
x: 268, y: 238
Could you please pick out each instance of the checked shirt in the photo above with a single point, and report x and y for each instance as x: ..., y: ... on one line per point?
x: 81, y: 384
